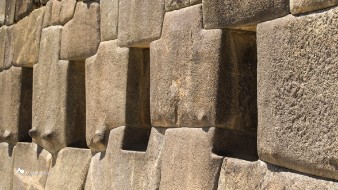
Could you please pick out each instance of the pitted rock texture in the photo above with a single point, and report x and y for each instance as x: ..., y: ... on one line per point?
x: 59, y: 12
x: 179, y: 4
x: 2, y: 12
x: 24, y: 8
x: 27, y: 33
x: 202, y: 78
x: 119, y: 76
x: 109, y: 10
x: 81, y: 35
x: 241, y: 174
x: 297, y: 93
x: 140, y: 22
x: 244, y: 14
x: 15, y: 104
x: 6, y: 165
x: 31, y: 166
x: 3, y: 32
x: 10, y: 12
x: 70, y: 169
x: 304, y: 6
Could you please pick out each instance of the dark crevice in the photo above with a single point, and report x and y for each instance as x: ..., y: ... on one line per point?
x: 136, y: 139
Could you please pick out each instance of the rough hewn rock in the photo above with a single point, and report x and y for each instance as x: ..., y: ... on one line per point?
x: 126, y: 165
x: 24, y: 8
x: 81, y: 35
x: 70, y: 169
x: 202, y: 78
x: 55, y: 13
x: 297, y: 93
x: 47, y: 19
x: 59, y: 12
x: 10, y: 11
x: 31, y: 166
x: 6, y: 166
x: 243, y: 14
x: 2, y: 12
x: 15, y: 104
x: 27, y: 34
x: 67, y: 10
x: 8, y: 59
x: 304, y: 6
x: 241, y: 174
x: 109, y: 19
x: 179, y: 4
x: 3, y: 32
x: 140, y: 22
x: 58, y: 97
x: 119, y: 76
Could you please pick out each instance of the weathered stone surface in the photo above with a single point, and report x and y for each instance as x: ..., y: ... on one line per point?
x: 243, y: 14
x: 31, y: 166
x: 130, y: 162
x: 2, y: 12
x: 55, y: 14
x: 27, y: 34
x: 241, y: 174
x: 81, y: 35
x: 24, y: 8
x: 304, y: 6
x: 179, y: 4
x: 47, y: 19
x: 15, y: 104
x: 6, y: 165
x: 10, y: 11
x: 8, y: 59
x: 67, y: 10
x: 70, y: 169
x: 140, y: 22
x: 59, y: 12
x: 58, y: 97
x: 3, y: 32
x: 202, y: 78
x: 119, y: 76
x: 297, y: 96
x: 109, y: 19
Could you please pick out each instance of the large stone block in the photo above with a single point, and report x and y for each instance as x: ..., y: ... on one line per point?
x: 70, y: 169
x: 6, y: 166
x: 6, y: 47
x: 304, y: 6
x: 24, y: 8
x: 58, y: 97
x: 3, y: 32
x: 171, y: 5
x: 15, y: 104
x: 202, y: 78
x: 26, y: 43
x: 10, y: 11
x: 243, y: 14
x: 117, y: 91
x: 59, y: 12
x: 140, y: 22
x: 81, y: 35
x: 297, y: 93
x: 130, y: 162
x: 241, y: 174
x: 2, y: 12
x: 109, y: 19
x: 31, y: 166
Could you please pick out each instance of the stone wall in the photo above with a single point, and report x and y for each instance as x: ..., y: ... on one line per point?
x: 168, y: 94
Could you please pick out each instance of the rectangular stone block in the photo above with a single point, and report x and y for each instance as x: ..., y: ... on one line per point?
x: 58, y: 97
x: 297, y: 93
x: 59, y: 12
x: 241, y: 174
x: 171, y: 5
x: 126, y: 165
x: 81, y: 35
x: 26, y: 43
x: 117, y: 91
x: 109, y: 19
x: 6, y: 47
x: 304, y: 6
x: 15, y: 104
x: 70, y: 169
x: 6, y: 166
x: 202, y: 78
x: 10, y: 11
x: 31, y: 166
x: 243, y: 14
x: 24, y: 8
x: 140, y: 22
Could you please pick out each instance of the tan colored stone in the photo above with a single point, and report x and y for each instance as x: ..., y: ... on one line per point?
x: 202, y: 78
x: 8, y: 59
x: 70, y: 169
x: 31, y: 166
x: 304, y: 6
x: 109, y: 19
x: 241, y: 174
x: 130, y: 162
x: 27, y: 34
x: 2, y: 12
x: 67, y: 10
x: 140, y: 22
x: 47, y: 19
x: 58, y: 97
x: 3, y: 32
x: 15, y: 104
x: 10, y: 11
x: 119, y: 76
x: 244, y: 14
x: 297, y: 96
x: 24, y: 8
x: 55, y: 14
x: 81, y: 35
x: 171, y: 5
x: 6, y: 165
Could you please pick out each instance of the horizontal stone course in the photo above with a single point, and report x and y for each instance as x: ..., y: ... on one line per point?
x: 305, y: 6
